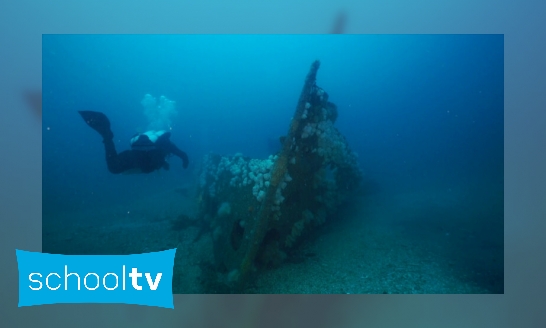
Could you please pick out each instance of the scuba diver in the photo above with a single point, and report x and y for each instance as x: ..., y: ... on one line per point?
x: 148, y: 150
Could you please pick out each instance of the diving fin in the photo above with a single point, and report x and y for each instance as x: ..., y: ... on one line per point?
x: 99, y: 122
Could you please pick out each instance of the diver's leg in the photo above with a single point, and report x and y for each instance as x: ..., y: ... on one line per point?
x: 119, y: 163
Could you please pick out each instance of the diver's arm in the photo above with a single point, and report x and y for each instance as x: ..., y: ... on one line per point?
x: 177, y: 152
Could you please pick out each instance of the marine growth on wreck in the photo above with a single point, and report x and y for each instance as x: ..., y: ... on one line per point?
x: 258, y: 209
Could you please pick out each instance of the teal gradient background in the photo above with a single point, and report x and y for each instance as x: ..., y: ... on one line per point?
x: 22, y: 24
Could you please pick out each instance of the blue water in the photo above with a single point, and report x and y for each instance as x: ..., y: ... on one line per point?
x: 422, y: 111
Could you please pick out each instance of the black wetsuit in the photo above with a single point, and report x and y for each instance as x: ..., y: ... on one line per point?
x: 143, y: 161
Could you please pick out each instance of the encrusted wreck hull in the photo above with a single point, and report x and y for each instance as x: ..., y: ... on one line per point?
x: 259, y: 209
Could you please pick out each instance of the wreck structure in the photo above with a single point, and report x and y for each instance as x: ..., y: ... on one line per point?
x: 259, y: 209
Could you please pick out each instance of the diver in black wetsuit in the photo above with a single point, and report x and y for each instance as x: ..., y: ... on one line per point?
x: 147, y: 153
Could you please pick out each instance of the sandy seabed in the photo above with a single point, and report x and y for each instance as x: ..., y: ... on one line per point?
x: 426, y: 242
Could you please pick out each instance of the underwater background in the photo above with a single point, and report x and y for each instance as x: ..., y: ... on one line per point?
x: 424, y: 113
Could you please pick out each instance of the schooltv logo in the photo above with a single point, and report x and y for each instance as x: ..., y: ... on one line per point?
x: 143, y: 279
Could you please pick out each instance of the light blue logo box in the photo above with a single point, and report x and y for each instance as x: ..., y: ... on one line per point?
x: 53, y: 278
